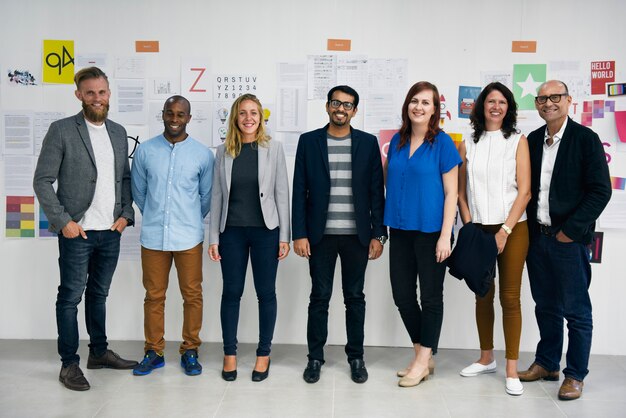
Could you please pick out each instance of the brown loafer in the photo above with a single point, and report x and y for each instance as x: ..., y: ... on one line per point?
x: 571, y: 389
x: 536, y: 372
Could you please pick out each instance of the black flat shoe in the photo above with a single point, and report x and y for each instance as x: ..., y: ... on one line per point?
x: 229, y: 376
x: 260, y: 376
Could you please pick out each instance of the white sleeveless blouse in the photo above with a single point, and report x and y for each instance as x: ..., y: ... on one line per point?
x: 491, y: 177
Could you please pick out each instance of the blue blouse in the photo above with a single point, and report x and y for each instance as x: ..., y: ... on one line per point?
x: 415, y: 193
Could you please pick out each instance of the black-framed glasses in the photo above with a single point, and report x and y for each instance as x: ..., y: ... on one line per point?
x: 554, y: 98
x: 346, y: 105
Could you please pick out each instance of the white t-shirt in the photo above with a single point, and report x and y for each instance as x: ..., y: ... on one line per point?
x: 99, y: 216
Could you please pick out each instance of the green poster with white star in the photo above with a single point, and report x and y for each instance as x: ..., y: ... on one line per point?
x: 526, y: 81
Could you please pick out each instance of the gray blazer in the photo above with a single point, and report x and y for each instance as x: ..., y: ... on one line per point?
x: 273, y: 190
x: 67, y: 158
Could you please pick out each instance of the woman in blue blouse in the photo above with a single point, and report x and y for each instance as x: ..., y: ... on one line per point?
x: 422, y: 180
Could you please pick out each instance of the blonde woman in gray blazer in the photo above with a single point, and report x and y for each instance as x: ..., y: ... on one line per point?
x: 249, y: 219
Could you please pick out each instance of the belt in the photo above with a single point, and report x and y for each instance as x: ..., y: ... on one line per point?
x: 546, y: 230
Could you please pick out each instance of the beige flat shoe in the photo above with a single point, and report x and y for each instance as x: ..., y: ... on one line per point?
x: 431, y: 368
x: 407, y: 382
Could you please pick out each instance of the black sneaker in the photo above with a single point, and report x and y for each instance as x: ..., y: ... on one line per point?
x: 189, y: 362
x: 72, y: 377
x: 152, y: 360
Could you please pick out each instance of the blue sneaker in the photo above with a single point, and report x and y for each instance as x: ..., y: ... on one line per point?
x: 189, y: 362
x: 152, y: 360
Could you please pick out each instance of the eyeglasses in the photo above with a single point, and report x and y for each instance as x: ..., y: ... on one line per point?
x: 554, y: 98
x: 346, y: 105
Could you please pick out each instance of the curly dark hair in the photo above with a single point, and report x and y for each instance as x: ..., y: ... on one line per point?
x: 477, y: 117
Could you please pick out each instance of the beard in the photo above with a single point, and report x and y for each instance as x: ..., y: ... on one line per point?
x: 96, y: 116
x: 339, y: 122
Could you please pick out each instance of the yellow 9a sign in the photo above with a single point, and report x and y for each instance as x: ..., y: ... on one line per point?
x: 58, y: 62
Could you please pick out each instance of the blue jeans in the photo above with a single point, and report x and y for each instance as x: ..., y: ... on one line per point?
x: 322, y: 268
x: 86, y: 266
x: 560, y: 275
x: 236, y: 245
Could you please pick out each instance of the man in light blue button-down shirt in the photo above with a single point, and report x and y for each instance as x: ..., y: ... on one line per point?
x: 171, y: 177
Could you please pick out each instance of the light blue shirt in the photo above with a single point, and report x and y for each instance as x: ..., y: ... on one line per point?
x: 171, y: 186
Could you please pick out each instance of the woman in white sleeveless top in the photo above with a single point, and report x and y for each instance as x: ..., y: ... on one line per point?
x: 494, y: 188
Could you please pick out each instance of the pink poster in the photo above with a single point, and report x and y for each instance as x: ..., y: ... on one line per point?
x: 620, y: 124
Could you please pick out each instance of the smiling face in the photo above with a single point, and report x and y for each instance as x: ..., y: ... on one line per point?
x: 248, y: 120
x: 340, y: 117
x: 421, y: 108
x: 496, y: 107
x: 175, y: 119
x: 553, y: 113
x: 95, y: 94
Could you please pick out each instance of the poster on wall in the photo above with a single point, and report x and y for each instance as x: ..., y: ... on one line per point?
x: 321, y: 75
x: 58, y: 62
x: 466, y: 101
x: 526, y: 81
x: 18, y: 133
x: 291, y: 97
x: 602, y: 72
x: 195, y: 79
x: 21, y: 77
x: 229, y: 87
x: 221, y: 111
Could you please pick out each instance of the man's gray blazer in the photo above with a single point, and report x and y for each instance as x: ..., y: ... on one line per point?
x: 67, y: 158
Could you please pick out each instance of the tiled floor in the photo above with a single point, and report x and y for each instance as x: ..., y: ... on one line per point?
x: 29, y: 387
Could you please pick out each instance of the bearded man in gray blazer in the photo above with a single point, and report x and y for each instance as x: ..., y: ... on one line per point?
x: 87, y: 156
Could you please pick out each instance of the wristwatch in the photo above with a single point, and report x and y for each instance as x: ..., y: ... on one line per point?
x: 382, y: 239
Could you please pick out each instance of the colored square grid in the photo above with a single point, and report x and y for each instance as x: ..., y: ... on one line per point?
x: 43, y: 225
x: 609, y: 105
x: 618, y: 183
x: 20, y: 217
x: 598, y: 109
x: 585, y: 119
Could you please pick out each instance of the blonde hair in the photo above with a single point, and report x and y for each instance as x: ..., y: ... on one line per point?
x: 233, y: 141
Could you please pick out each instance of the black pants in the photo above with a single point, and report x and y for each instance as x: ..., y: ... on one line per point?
x: 412, y: 256
x: 322, y: 268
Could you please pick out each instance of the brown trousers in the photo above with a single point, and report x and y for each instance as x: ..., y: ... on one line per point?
x: 510, y: 268
x: 156, y: 267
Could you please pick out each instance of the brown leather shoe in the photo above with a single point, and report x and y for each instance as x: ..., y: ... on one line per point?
x: 571, y: 389
x: 536, y: 372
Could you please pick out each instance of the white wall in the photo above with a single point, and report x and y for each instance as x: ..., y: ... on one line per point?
x: 448, y: 43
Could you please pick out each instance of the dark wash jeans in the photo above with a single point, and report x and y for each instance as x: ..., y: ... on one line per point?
x: 237, y: 244
x: 560, y: 275
x: 86, y: 266
x: 322, y: 262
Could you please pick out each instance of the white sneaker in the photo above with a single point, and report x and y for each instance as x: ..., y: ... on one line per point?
x: 475, y: 369
x: 514, y: 386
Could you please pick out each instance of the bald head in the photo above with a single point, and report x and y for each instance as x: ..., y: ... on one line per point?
x: 178, y: 99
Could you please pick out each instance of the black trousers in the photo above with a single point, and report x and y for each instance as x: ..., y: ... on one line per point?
x: 412, y: 257
x: 322, y: 262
